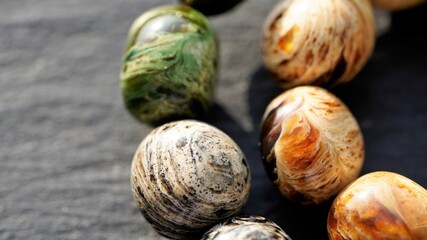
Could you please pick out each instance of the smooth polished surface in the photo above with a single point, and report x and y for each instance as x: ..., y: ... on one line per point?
x: 246, y: 228
x: 169, y: 68
x: 187, y: 176
x: 380, y: 205
x: 67, y: 141
x: 311, y: 144
x: 317, y: 42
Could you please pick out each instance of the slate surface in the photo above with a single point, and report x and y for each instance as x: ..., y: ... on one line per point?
x: 67, y: 142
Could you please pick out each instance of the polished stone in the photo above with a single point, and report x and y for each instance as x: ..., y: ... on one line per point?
x: 67, y: 141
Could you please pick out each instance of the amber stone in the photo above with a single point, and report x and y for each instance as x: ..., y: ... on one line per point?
x: 311, y: 144
x: 380, y: 205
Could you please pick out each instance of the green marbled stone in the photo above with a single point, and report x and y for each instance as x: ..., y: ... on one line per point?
x: 169, y: 67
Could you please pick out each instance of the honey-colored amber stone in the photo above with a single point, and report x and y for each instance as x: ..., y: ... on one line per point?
x: 327, y: 42
x: 380, y: 205
x: 311, y: 144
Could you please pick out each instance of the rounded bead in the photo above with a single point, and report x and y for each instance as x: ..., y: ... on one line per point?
x: 311, y: 144
x: 169, y: 68
x: 380, y: 205
x: 318, y: 42
x: 246, y: 228
x: 187, y: 176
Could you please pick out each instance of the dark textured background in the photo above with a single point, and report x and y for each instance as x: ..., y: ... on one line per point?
x: 66, y: 141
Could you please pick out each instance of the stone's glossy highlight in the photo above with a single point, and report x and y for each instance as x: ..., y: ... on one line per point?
x: 318, y: 42
x: 395, y: 5
x: 169, y: 68
x: 212, y: 7
x: 187, y: 176
x: 311, y: 144
x: 380, y: 205
x: 246, y: 228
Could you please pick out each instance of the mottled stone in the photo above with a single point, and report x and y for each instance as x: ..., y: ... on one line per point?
x: 246, y: 228
x: 187, y: 176
x: 380, y: 205
x: 169, y: 68
x: 311, y: 144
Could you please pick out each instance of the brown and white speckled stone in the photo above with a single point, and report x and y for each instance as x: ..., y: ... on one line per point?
x: 380, y: 205
x: 187, y: 176
x: 311, y: 144
x: 318, y: 42
x: 246, y: 228
x: 395, y: 5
